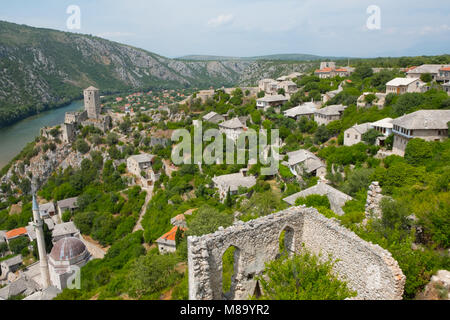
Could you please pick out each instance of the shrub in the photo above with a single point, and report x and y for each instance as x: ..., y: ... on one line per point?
x: 302, y: 277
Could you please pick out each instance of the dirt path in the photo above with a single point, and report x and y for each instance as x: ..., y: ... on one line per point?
x: 144, y: 209
x: 97, y: 251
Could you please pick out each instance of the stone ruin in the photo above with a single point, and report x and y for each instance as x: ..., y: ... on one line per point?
x: 373, y: 203
x: 368, y: 269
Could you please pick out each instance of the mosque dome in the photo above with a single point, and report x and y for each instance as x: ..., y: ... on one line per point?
x: 67, y: 249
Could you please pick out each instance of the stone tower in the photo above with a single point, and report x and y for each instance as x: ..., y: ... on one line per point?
x: 92, y: 102
x: 38, y: 227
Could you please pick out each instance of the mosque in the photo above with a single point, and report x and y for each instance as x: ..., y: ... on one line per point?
x: 67, y: 256
x: 58, y: 270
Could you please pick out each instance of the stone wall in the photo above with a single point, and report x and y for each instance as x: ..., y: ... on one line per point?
x: 373, y: 203
x: 369, y: 269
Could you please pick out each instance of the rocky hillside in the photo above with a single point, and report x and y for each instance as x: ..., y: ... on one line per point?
x: 42, y: 68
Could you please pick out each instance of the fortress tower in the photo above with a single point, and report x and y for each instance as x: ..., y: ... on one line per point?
x: 43, y: 261
x: 92, y: 102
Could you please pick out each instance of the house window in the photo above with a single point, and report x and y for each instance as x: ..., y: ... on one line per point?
x: 348, y: 135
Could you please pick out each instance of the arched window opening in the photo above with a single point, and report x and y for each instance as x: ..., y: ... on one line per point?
x: 230, y: 260
x: 286, y: 242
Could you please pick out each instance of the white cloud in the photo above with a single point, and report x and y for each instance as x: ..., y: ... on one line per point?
x: 221, y: 20
x: 430, y: 29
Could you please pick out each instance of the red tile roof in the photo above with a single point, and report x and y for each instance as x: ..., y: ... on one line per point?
x: 341, y: 70
x: 170, y: 236
x: 445, y: 69
x: 325, y: 70
x: 15, y: 233
x: 410, y: 68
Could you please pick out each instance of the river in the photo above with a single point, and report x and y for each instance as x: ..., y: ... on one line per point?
x: 15, y: 137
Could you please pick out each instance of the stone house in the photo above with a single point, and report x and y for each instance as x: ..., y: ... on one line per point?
x: 304, y: 161
x: 2, y: 236
x: 328, y: 114
x: 141, y: 166
x: 354, y: 134
x: 167, y: 242
x: 139, y: 163
x: 378, y: 102
x: 205, y: 95
x: 327, y: 64
x: 65, y: 230
x: 337, y: 198
x: 329, y: 70
x: 15, y: 234
x: 288, y: 86
x: 444, y: 74
x: 22, y: 286
x: 331, y: 94
x: 10, y: 265
x: 213, y: 117
x: 275, y: 101
x: 232, y: 128
x: 429, y: 125
x: 446, y: 87
x: 404, y: 85
x: 433, y: 69
x: 66, y: 204
x: 383, y: 126
x: 305, y: 110
x: 47, y: 210
x: 232, y: 183
x: 269, y: 86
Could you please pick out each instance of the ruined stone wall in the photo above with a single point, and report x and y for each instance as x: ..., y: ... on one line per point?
x: 369, y: 269
x: 373, y: 203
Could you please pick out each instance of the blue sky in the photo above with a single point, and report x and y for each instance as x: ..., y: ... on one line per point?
x: 174, y: 28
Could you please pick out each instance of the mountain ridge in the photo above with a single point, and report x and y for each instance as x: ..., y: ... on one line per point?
x: 44, y: 68
x: 281, y: 57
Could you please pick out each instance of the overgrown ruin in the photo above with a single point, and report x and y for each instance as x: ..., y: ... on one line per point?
x: 368, y: 269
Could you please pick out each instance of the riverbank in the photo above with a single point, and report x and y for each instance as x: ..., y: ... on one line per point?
x: 15, y: 137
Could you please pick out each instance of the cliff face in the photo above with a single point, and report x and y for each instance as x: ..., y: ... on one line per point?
x: 40, y: 68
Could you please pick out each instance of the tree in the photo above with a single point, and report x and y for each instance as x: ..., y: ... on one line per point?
x: 281, y: 91
x: 418, y: 151
x: 395, y: 215
x: 322, y: 135
x: 426, y: 77
x: 256, y: 117
x: 371, y: 136
x: 112, y: 139
x: 179, y: 236
x: 82, y: 146
x: 3, y: 248
x: 370, y: 98
x: 229, y: 200
x: 363, y: 72
x: 152, y: 273
x: 17, y: 245
x: 207, y: 220
x: 302, y: 277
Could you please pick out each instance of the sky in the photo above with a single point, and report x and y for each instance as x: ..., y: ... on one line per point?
x: 246, y: 28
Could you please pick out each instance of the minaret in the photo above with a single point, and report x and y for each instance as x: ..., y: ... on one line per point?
x: 38, y: 227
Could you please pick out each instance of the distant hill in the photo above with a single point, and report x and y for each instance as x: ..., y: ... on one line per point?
x: 282, y: 57
x: 43, y: 68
